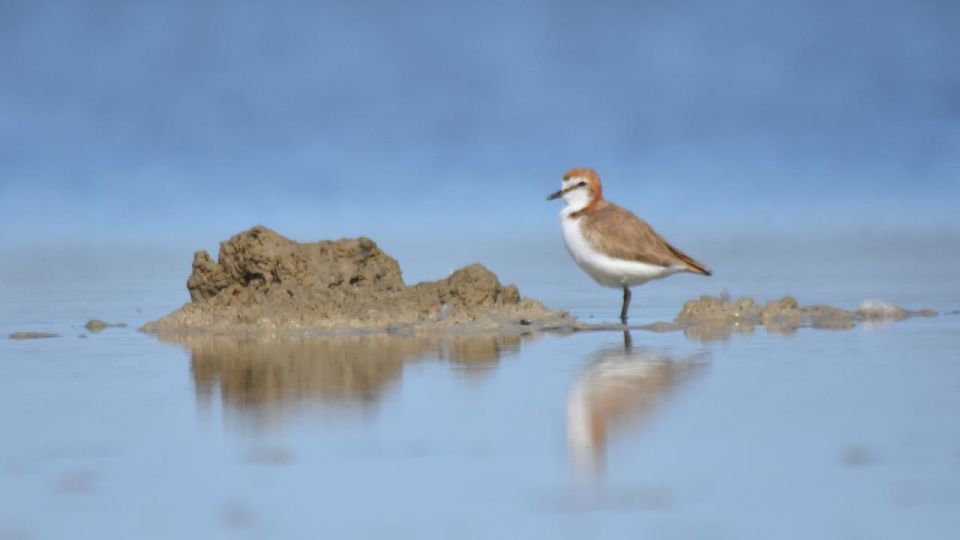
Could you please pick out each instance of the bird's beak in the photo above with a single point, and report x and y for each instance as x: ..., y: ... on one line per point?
x: 556, y: 195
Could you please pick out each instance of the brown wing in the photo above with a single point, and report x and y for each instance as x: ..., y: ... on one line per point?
x: 625, y: 236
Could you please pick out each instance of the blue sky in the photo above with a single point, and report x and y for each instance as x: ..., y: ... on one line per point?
x: 181, y: 123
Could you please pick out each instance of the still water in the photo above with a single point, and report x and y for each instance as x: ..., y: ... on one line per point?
x: 818, y: 434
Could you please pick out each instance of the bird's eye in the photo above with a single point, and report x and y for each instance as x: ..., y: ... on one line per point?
x: 581, y: 184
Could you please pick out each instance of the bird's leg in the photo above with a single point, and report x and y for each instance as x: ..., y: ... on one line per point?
x: 626, y: 304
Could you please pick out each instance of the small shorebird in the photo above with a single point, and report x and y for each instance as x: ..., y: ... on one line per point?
x: 615, y: 247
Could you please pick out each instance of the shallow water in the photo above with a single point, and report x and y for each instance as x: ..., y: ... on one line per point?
x: 818, y: 434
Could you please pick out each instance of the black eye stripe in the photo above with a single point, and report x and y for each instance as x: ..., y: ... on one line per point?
x: 573, y: 187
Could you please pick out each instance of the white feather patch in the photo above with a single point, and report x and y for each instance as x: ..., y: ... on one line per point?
x: 606, y: 270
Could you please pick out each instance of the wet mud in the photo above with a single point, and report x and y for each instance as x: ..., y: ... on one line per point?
x: 31, y: 335
x: 710, y: 318
x: 264, y: 283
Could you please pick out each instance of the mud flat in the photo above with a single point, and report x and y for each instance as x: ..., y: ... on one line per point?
x: 263, y: 283
x: 716, y: 317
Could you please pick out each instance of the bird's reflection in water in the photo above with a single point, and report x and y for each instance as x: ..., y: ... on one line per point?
x: 263, y: 382
x: 620, y: 387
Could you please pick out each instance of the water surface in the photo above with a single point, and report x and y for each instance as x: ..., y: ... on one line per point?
x: 816, y: 434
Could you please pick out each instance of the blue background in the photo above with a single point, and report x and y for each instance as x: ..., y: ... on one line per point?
x: 142, y: 131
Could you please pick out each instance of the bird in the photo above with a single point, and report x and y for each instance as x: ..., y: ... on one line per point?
x: 612, y: 245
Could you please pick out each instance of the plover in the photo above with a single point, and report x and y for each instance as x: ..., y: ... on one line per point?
x: 616, y: 248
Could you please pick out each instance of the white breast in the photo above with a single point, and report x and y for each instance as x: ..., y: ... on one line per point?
x: 604, y: 269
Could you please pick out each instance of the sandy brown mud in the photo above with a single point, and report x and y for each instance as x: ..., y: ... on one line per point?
x: 96, y: 325
x: 711, y: 317
x: 265, y: 283
x: 32, y: 335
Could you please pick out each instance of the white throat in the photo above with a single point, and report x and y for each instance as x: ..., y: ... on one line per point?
x: 576, y: 199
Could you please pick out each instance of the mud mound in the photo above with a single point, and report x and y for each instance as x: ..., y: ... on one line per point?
x: 712, y: 317
x: 262, y: 281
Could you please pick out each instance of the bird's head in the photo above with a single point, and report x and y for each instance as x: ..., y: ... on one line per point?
x: 580, y: 188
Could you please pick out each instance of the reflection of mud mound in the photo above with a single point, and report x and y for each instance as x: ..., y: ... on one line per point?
x: 265, y: 282
x: 266, y: 379
x: 712, y: 318
x: 478, y: 354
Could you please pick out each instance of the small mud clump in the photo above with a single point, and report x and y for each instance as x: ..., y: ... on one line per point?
x: 97, y: 326
x: 719, y: 311
x: 710, y: 317
x: 263, y: 282
x: 32, y: 335
x: 881, y: 310
x: 830, y: 318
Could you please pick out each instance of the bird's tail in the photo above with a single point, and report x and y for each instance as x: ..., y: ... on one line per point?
x: 693, y: 266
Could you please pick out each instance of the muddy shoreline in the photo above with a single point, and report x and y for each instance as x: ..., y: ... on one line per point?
x: 266, y: 285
